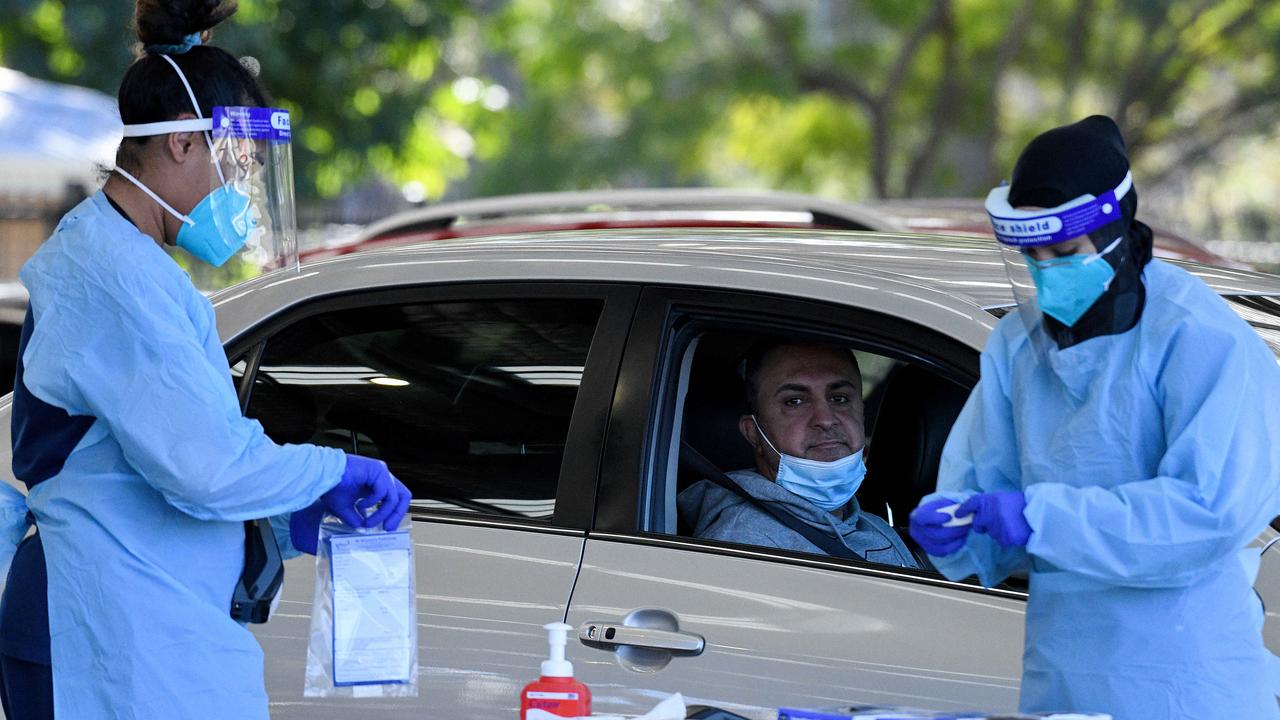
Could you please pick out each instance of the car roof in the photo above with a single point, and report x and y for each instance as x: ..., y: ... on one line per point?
x: 694, y: 207
x: 967, y: 217
x: 939, y: 277
x: 850, y: 215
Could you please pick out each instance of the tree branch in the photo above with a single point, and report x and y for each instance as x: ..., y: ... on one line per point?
x: 789, y: 58
x: 837, y: 84
x: 1076, y: 45
x: 1138, y: 71
x: 938, y: 16
x: 1162, y: 92
x: 1257, y: 109
x: 1006, y: 51
x: 1140, y: 84
x: 940, y: 117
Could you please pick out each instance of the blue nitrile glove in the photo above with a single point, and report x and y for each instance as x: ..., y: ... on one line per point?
x: 304, y: 527
x: 999, y: 515
x: 367, y: 483
x: 394, y: 507
x: 927, y: 529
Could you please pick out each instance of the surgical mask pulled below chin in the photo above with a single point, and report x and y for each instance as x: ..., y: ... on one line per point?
x: 827, y: 484
x: 1067, y: 287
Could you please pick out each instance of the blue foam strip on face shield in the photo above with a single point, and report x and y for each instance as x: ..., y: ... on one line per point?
x: 1032, y: 228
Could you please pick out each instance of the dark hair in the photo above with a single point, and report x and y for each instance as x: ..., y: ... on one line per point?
x: 754, y: 364
x: 152, y: 92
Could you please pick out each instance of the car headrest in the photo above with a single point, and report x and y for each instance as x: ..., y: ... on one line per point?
x: 711, y: 411
x: 913, y: 420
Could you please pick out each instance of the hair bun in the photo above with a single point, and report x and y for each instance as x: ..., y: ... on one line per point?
x: 160, y: 22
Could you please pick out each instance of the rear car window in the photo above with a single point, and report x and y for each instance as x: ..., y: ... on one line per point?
x: 468, y: 402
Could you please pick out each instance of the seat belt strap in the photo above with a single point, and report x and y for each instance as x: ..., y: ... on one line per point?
x: 824, y: 542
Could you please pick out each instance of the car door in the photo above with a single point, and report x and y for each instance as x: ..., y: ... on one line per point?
x: 489, y: 402
x: 753, y: 628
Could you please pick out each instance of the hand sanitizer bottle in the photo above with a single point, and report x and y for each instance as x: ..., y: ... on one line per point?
x: 556, y: 691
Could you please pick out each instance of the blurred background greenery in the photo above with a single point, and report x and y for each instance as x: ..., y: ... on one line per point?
x: 401, y: 102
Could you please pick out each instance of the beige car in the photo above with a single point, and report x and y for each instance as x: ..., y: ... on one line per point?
x: 537, y: 391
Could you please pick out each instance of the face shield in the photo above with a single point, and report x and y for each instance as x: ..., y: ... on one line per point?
x: 252, y: 179
x: 248, y: 213
x: 1067, y: 282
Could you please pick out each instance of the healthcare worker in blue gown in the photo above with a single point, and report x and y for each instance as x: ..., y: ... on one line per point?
x: 1122, y: 447
x: 140, y: 467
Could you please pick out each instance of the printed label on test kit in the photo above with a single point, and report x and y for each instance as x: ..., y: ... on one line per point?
x: 373, y: 608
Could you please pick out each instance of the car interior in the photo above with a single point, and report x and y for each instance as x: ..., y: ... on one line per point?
x: 468, y: 403
x: 909, y: 411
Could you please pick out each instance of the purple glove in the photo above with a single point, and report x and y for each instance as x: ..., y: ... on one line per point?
x: 927, y: 529
x: 304, y: 527
x: 367, y: 483
x: 1000, y: 516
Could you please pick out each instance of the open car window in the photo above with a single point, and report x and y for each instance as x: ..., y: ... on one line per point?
x: 908, y: 411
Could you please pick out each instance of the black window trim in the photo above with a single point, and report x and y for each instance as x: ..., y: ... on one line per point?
x: 579, y: 469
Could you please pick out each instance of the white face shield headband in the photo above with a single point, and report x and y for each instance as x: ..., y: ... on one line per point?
x: 1033, y: 228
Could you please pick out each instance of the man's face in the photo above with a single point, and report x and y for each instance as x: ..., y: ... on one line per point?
x: 809, y: 403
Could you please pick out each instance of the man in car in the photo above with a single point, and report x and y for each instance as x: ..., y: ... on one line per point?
x: 805, y: 424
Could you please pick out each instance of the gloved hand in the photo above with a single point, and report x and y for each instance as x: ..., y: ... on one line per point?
x: 927, y: 529
x: 999, y: 515
x: 367, y: 483
x: 304, y: 527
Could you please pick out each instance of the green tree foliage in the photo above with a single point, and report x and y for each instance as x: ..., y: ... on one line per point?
x: 877, y: 97
x: 365, y: 80
x: 843, y: 97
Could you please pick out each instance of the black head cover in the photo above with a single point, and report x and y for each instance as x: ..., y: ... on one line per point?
x: 1060, y: 165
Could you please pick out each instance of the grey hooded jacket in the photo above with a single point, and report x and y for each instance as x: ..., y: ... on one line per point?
x: 718, y: 514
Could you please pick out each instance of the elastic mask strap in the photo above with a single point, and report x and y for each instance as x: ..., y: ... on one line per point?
x: 1107, y: 249
x: 196, y: 106
x: 766, y: 437
x: 156, y: 197
x: 190, y: 93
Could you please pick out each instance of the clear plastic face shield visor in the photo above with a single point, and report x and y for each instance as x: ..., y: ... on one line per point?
x: 253, y: 165
x: 1020, y: 230
x: 249, y: 215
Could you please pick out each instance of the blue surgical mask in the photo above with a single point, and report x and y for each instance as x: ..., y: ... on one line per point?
x: 1067, y: 287
x: 219, y: 226
x: 827, y: 484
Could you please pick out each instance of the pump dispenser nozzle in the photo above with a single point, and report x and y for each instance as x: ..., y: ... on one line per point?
x: 556, y: 692
x: 555, y: 665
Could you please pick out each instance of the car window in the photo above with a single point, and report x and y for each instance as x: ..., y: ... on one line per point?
x: 468, y: 402
x: 1263, y: 313
x: 908, y: 411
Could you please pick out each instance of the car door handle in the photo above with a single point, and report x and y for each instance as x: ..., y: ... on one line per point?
x: 610, y: 635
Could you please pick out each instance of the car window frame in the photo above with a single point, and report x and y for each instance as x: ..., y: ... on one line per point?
x: 633, y: 425
x: 579, y: 468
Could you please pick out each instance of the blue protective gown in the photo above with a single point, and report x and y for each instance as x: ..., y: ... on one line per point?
x: 1150, y: 459
x: 143, y: 526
